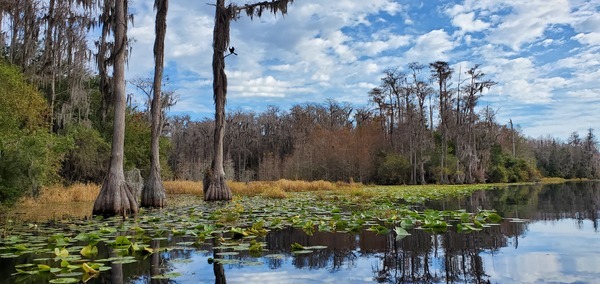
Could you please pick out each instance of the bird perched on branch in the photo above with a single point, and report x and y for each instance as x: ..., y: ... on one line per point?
x: 232, y: 50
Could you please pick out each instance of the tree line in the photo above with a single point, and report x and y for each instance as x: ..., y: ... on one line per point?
x: 423, y: 125
x: 338, y: 142
x: 58, y: 120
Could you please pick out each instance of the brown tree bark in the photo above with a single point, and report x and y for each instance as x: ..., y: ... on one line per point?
x: 153, y: 193
x: 115, y: 197
x: 214, y: 184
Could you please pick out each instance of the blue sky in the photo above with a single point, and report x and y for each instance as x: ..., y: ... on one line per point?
x: 543, y: 53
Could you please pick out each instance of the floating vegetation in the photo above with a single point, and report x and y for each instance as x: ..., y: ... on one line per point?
x: 76, y: 250
x: 170, y: 275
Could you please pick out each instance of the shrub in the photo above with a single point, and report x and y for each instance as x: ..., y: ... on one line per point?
x: 498, y: 174
x: 30, y: 155
x: 392, y: 169
x: 88, y: 160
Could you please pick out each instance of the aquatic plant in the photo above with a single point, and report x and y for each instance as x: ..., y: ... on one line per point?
x: 70, y: 249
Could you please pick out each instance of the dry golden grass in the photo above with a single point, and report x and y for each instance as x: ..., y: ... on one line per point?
x: 361, y: 192
x: 319, y: 185
x: 280, y: 188
x: 271, y: 189
x: 78, y: 192
x: 274, y: 192
x: 183, y: 187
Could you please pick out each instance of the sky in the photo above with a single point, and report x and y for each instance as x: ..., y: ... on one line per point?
x: 544, y: 54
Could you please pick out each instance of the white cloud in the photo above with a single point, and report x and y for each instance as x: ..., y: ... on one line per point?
x: 432, y: 46
x: 467, y: 23
x: 390, y: 42
x: 264, y: 87
x: 588, y: 38
x: 587, y: 23
x: 585, y: 93
x: 528, y: 21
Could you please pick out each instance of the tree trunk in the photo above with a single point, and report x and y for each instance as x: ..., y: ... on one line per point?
x: 153, y: 193
x: 2, y: 11
x: 218, y: 268
x: 215, y: 187
x: 156, y: 261
x: 115, y: 197
x: 116, y: 271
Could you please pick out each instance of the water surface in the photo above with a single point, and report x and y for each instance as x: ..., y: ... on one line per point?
x: 550, y: 236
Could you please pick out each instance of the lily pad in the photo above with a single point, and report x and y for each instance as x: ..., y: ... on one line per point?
x: 167, y: 275
x: 70, y: 274
x: 64, y: 280
x: 315, y: 247
x: 252, y: 263
x: 275, y: 256
x: 302, y: 251
x: 124, y: 261
x: 227, y: 253
x: 226, y: 261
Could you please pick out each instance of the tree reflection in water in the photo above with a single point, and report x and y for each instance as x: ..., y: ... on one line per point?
x: 218, y: 268
x: 424, y: 257
x: 421, y: 257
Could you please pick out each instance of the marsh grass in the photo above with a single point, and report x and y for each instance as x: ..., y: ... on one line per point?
x: 270, y: 189
x: 183, y: 187
x: 190, y: 192
x: 78, y: 192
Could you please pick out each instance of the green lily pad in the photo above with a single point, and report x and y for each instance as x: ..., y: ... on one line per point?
x: 69, y: 274
x: 124, y: 261
x: 315, y: 247
x: 227, y: 253
x: 226, y: 261
x: 275, y: 256
x: 24, y: 265
x: 252, y: 263
x: 302, y: 251
x: 167, y: 275
x: 64, y: 280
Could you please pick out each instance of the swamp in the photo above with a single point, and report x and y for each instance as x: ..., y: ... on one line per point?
x: 292, y: 141
x: 526, y: 233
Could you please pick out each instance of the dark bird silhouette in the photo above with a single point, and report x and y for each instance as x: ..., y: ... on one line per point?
x: 232, y: 50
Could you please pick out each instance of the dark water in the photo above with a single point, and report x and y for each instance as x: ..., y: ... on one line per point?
x: 557, y: 241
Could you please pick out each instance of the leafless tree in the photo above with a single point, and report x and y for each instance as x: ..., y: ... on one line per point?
x: 469, y: 154
x: 442, y: 72
x: 423, y: 142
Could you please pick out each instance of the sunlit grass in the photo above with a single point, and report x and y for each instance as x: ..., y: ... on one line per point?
x: 272, y: 189
x: 183, y: 187
x: 78, y: 192
x: 57, y: 202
